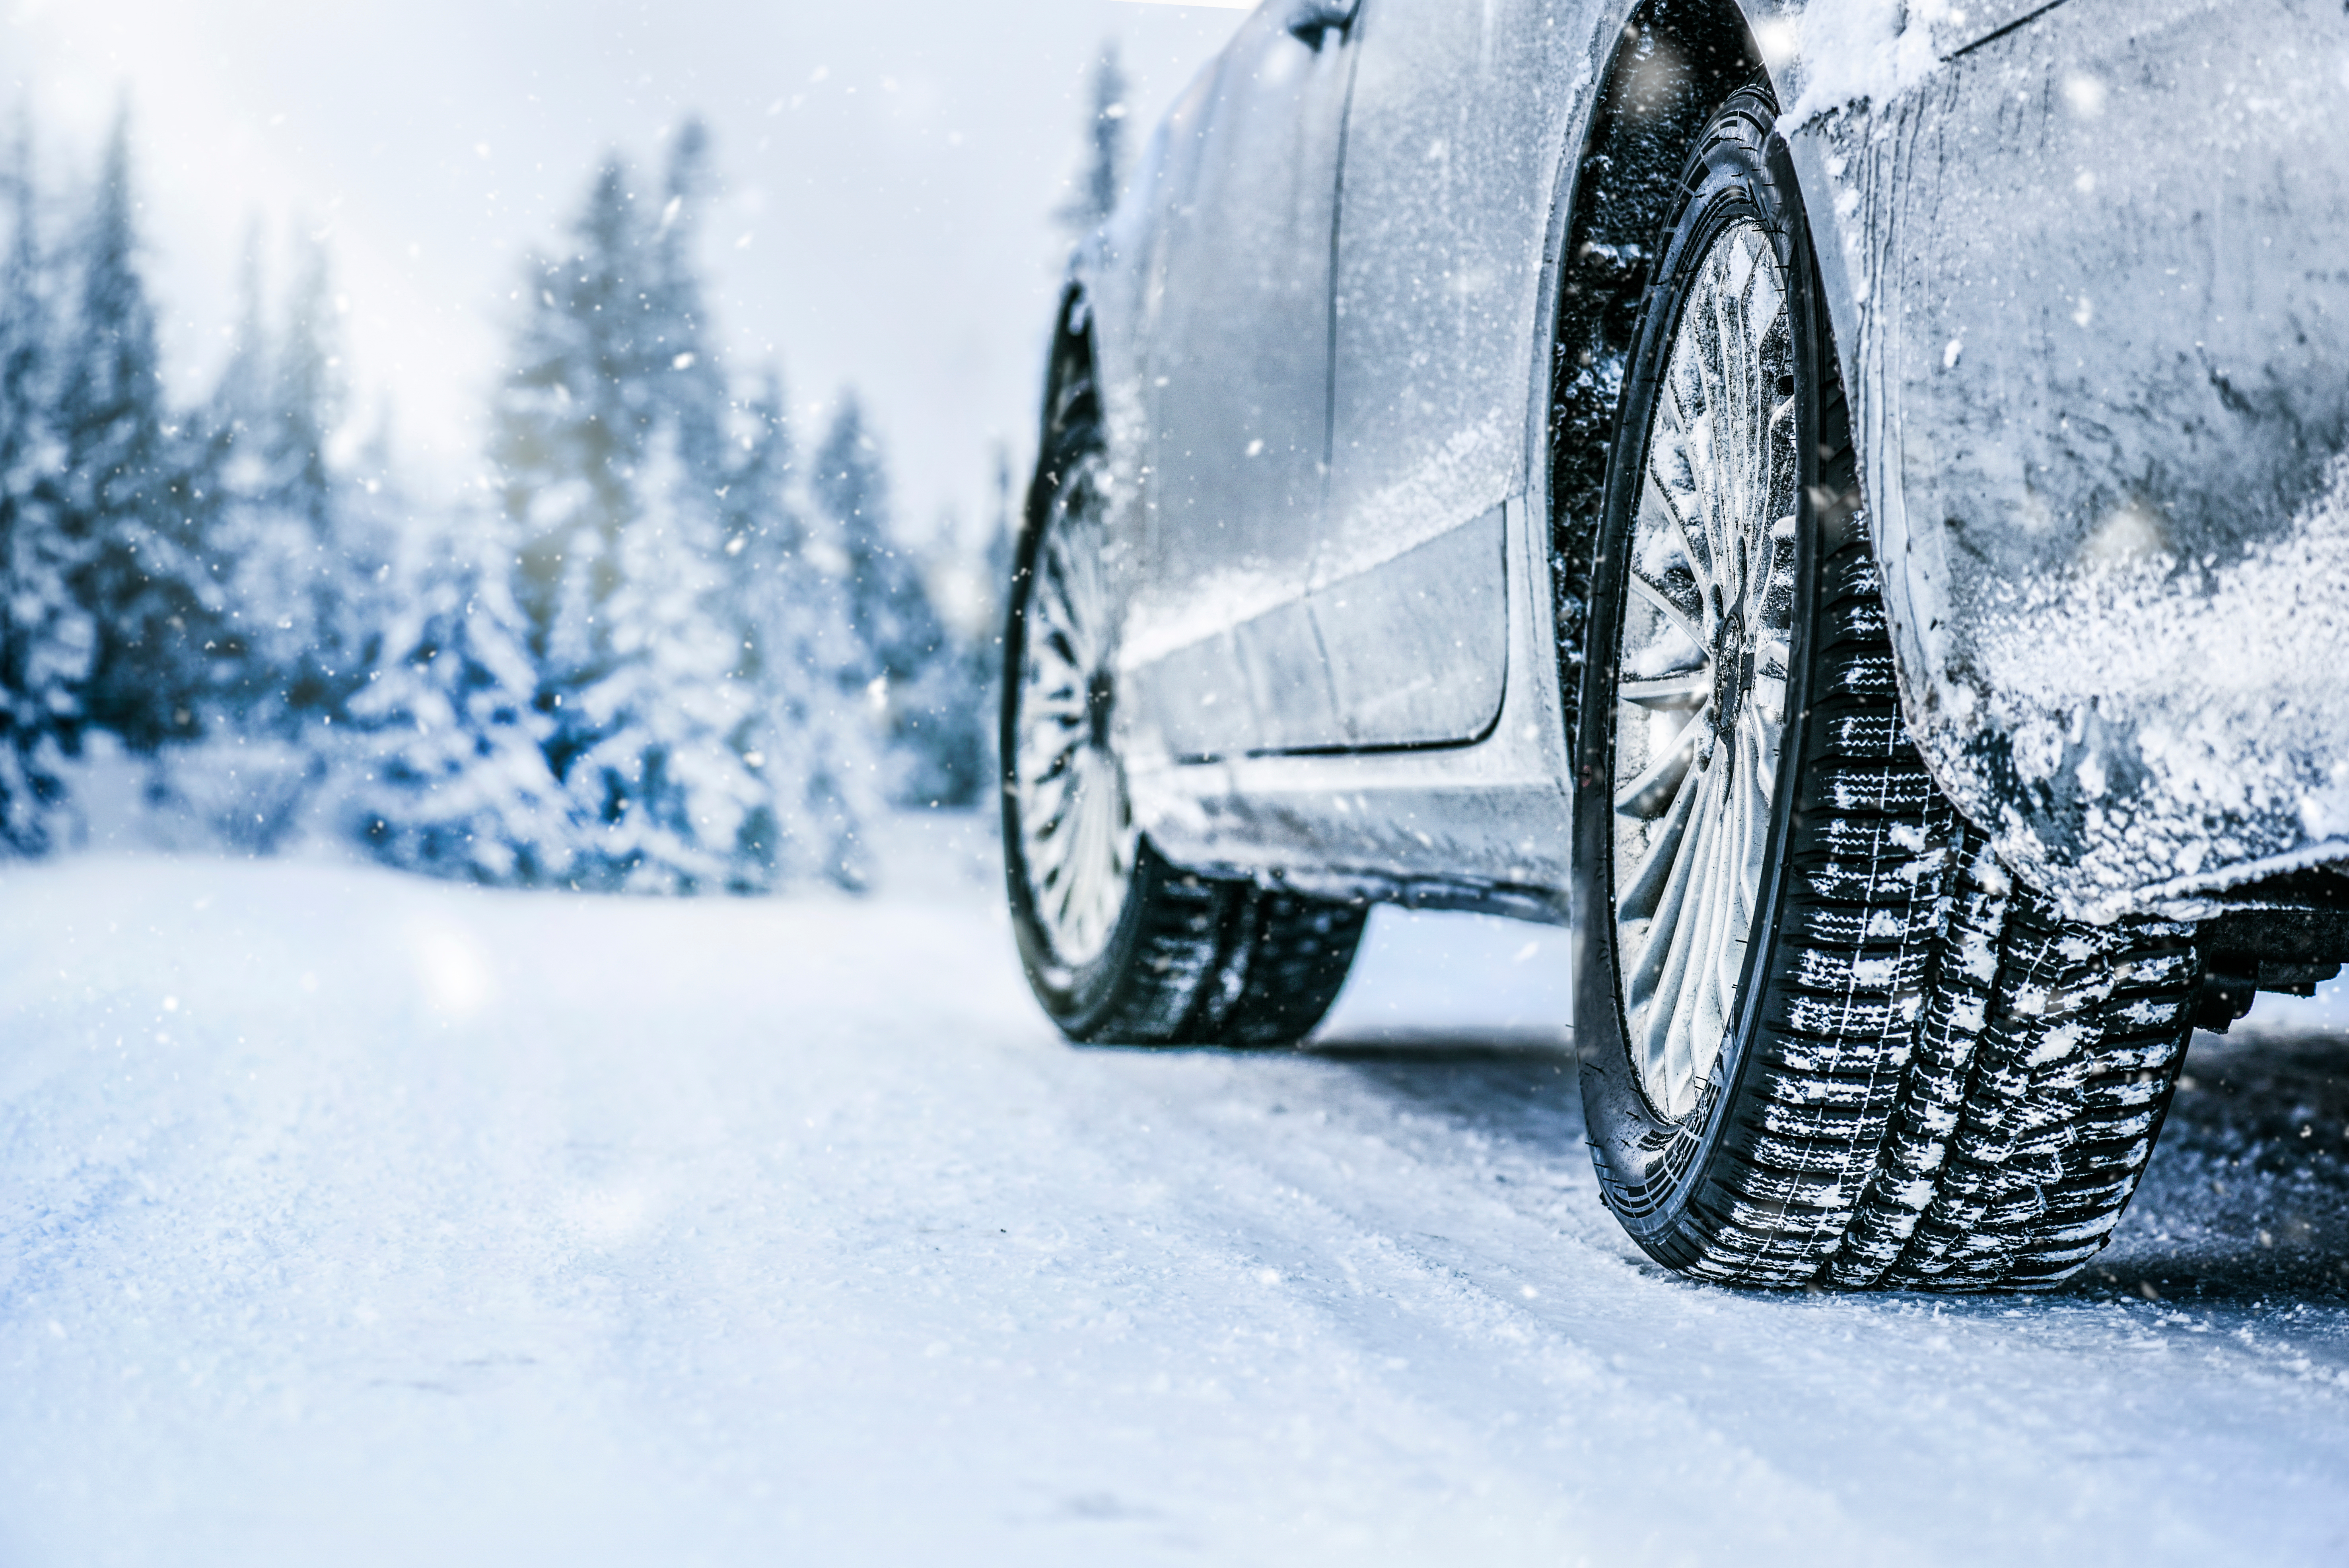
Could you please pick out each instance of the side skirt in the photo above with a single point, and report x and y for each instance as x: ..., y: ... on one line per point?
x: 1487, y: 825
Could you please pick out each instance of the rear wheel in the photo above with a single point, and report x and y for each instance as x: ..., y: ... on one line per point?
x: 1826, y: 1038
x: 1121, y: 946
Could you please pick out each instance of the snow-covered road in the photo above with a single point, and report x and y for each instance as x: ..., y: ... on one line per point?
x: 349, y: 1217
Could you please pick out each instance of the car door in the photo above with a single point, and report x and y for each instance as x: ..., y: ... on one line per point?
x: 1219, y: 636
x: 1452, y: 144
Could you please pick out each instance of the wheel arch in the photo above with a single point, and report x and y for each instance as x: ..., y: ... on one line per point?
x: 1615, y: 192
x: 1670, y: 64
x: 1072, y: 355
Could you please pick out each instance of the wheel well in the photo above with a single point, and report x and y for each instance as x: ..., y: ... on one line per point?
x: 1675, y: 62
x: 1067, y: 376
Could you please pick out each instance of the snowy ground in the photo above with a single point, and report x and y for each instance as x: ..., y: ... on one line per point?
x: 349, y: 1217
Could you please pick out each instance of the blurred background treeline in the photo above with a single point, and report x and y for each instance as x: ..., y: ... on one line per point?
x: 666, y: 643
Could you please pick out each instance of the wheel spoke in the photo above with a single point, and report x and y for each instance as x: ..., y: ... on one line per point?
x: 1696, y: 1015
x: 1647, y: 795
x: 1686, y: 689
x: 1657, y: 600
x: 1638, y: 898
x: 1668, y: 964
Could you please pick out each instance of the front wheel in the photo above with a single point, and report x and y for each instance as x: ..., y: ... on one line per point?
x: 1828, y: 1040
x: 1120, y: 947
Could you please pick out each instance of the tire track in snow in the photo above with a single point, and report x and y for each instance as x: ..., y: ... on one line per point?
x: 1466, y: 1348
x: 706, y: 1232
x: 2019, y: 1400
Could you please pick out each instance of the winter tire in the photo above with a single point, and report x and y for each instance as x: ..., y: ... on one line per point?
x: 1826, y: 1039
x: 1120, y: 947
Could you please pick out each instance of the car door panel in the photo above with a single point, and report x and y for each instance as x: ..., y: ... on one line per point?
x: 1407, y: 646
x: 1204, y: 700
x: 1239, y: 374
x: 1291, y: 682
x: 1444, y: 208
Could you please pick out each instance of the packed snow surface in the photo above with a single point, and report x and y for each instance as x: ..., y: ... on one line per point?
x: 359, y: 1219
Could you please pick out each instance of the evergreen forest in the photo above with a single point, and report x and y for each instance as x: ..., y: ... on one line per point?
x: 670, y: 645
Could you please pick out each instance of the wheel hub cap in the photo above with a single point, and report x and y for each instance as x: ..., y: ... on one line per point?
x: 1099, y: 691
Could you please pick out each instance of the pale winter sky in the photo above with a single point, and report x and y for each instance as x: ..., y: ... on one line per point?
x: 890, y: 171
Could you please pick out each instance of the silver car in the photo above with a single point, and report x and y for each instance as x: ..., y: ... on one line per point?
x: 1843, y: 504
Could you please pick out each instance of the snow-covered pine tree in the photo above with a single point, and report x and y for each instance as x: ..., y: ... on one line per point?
x: 130, y: 505
x: 1002, y: 546
x: 689, y: 378
x: 670, y: 799
x: 612, y: 438
x: 945, y: 714
x: 812, y: 740
x: 455, y: 780
x: 295, y: 557
x: 257, y: 556
x: 345, y: 552
x: 984, y: 656
x: 299, y: 558
x: 46, y: 637
x: 571, y: 425
x: 1096, y: 187
x: 909, y: 670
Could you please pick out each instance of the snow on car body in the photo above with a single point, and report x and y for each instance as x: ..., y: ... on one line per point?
x: 2098, y: 307
x: 1370, y: 380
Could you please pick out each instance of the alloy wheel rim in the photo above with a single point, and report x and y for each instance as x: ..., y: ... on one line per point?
x: 1701, y: 685
x: 1077, y: 836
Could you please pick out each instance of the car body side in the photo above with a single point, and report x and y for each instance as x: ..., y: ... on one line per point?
x: 2088, y: 266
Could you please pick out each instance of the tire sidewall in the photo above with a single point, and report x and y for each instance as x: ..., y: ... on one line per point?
x: 1651, y: 1169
